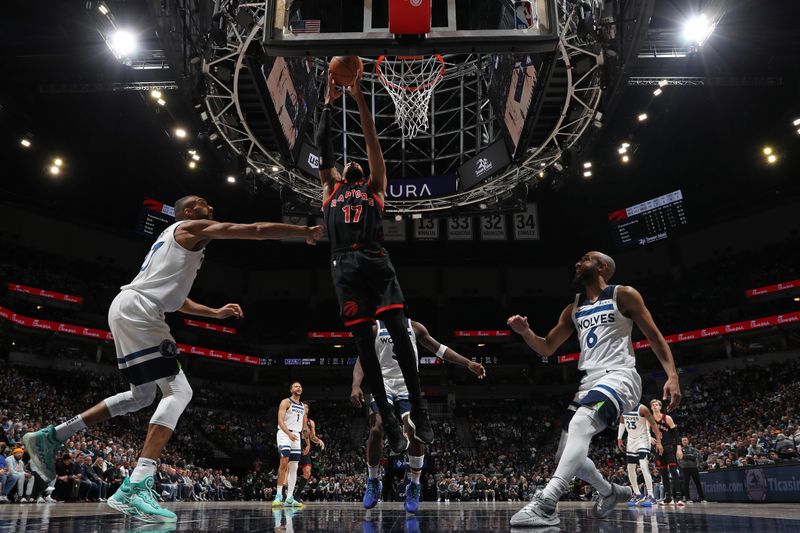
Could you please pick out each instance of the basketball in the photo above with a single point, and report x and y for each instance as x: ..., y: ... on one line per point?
x: 345, y: 69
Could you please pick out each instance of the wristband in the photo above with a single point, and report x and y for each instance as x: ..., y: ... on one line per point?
x: 440, y: 351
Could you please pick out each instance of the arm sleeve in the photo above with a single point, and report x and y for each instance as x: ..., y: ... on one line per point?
x: 324, y: 139
x: 621, y: 430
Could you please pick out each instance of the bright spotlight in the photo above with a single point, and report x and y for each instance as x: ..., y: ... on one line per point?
x: 192, y: 164
x: 772, y: 159
x: 698, y: 29
x: 196, y: 157
x: 123, y: 43
x: 657, y: 92
x: 642, y: 117
x: 623, y: 149
x: 663, y: 83
x: 231, y: 179
x: 180, y: 133
x: 155, y: 93
x: 767, y: 150
x: 161, y: 101
x: 103, y: 9
x: 587, y: 164
x: 626, y: 145
x: 796, y: 122
x: 625, y: 159
x: 54, y: 170
x: 58, y: 162
x: 25, y: 142
x: 275, y: 169
x: 587, y: 174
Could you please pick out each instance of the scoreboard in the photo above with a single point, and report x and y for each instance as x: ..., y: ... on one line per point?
x: 154, y: 217
x: 648, y: 222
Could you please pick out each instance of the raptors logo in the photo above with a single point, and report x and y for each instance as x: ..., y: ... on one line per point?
x: 350, y: 308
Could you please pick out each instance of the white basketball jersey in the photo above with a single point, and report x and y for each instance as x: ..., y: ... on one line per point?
x: 168, y: 272
x: 385, y: 350
x: 293, y: 419
x: 604, y: 333
x: 637, y: 428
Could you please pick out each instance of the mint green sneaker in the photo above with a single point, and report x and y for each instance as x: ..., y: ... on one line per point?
x: 121, y: 500
x: 144, y: 503
x: 42, y: 447
x: 291, y: 502
x: 278, y: 501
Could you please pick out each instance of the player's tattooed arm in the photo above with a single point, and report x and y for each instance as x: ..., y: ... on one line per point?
x: 631, y: 304
x: 548, y: 344
x: 451, y: 356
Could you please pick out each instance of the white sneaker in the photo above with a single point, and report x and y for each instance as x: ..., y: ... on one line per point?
x: 535, y: 515
x: 3, y: 499
x: 50, y: 499
x: 39, y: 500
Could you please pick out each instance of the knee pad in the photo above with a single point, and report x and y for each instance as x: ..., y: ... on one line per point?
x: 139, y: 397
x: 177, y: 393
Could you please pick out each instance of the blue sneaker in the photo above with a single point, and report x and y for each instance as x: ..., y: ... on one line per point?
x: 42, y: 447
x: 278, y: 501
x: 634, y: 500
x: 373, y: 493
x: 413, y: 492
x: 412, y: 525
x: 647, y: 501
x: 292, y: 502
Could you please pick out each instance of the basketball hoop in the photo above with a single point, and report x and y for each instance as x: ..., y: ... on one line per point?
x: 410, y: 81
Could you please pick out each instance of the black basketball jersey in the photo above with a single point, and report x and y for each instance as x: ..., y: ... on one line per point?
x: 353, y: 217
x: 667, y: 433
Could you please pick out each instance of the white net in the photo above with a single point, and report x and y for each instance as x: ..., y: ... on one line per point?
x: 410, y: 81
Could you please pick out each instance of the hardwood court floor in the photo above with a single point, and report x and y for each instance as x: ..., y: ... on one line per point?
x: 390, y: 517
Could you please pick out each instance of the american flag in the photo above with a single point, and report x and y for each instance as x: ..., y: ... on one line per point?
x: 304, y: 26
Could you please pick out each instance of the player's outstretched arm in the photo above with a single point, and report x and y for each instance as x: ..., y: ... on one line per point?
x: 631, y: 304
x: 549, y: 344
x: 356, y: 394
x: 194, y: 232
x: 191, y: 307
x: 444, y: 352
x: 328, y: 174
x: 377, y: 167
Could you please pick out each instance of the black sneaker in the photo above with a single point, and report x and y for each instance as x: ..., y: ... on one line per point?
x: 419, y: 421
x: 398, y: 442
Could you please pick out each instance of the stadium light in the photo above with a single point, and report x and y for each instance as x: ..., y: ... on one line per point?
x: 698, y: 29
x: 663, y: 83
x: 123, y: 44
x: 196, y: 157
x: 767, y: 150
x: 231, y: 179
x: 622, y: 149
x: 161, y: 101
x: 103, y: 9
x: 26, y: 143
x: 657, y: 92
x: 155, y: 93
x: 54, y: 170
x: 192, y: 164
x: 58, y: 162
x: 772, y: 159
x: 587, y: 174
x: 625, y: 159
x: 625, y: 145
x: 587, y: 164
x: 796, y: 122
x: 275, y: 169
x: 642, y: 117
x: 180, y: 133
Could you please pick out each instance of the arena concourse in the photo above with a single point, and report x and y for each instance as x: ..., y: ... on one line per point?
x: 591, y: 209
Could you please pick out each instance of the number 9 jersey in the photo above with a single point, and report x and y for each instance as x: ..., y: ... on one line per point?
x: 604, y: 332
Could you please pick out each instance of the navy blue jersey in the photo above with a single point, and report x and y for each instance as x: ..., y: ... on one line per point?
x: 353, y: 217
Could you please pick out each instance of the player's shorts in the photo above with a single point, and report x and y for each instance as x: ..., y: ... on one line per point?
x: 287, y: 447
x: 305, y: 460
x: 145, y: 348
x: 366, y: 285
x: 610, y: 392
x: 636, y: 450
x: 667, y: 459
x: 396, y: 395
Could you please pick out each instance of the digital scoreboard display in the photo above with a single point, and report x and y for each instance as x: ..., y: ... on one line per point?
x: 154, y: 217
x: 648, y: 222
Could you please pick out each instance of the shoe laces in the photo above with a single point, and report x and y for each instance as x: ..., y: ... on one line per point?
x: 414, y: 490
x: 149, y: 494
x: 372, y: 487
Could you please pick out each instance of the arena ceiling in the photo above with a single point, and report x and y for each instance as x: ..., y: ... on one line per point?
x: 63, y: 86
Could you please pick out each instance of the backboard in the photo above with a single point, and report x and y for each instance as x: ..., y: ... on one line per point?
x: 361, y: 27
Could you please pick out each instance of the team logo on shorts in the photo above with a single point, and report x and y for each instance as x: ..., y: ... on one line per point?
x: 350, y: 308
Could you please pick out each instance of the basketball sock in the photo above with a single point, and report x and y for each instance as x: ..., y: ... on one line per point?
x: 144, y: 467
x: 591, y: 475
x: 374, y: 471
x: 583, y: 426
x: 395, y: 321
x: 648, y: 478
x: 292, y: 479
x: 415, y: 463
x: 676, y: 482
x: 632, y: 478
x: 69, y: 428
x: 279, y: 491
x: 365, y: 346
